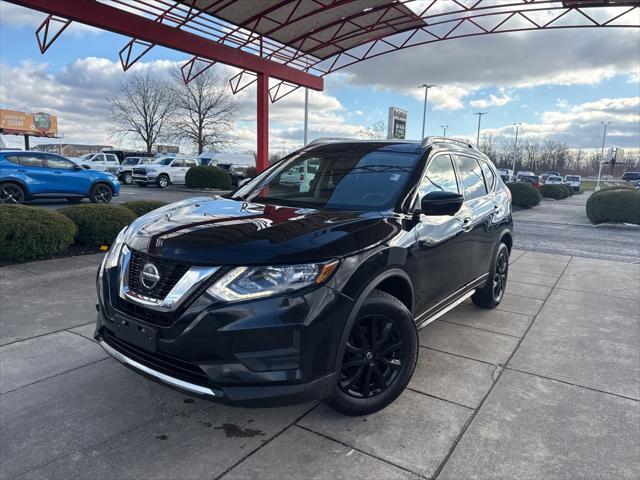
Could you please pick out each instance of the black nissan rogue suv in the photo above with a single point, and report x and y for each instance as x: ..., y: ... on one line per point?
x: 282, y: 293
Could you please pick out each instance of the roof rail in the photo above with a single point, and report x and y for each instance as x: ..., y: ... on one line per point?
x: 427, y: 141
x: 321, y: 140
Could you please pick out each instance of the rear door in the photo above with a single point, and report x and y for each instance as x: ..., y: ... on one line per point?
x: 31, y: 167
x: 178, y: 171
x: 65, y: 178
x: 443, y: 248
x: 480, y: 207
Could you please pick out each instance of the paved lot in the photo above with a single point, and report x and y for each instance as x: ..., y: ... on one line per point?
x: 546, y: 386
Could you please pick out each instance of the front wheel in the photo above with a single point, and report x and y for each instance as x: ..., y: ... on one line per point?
x: 101, y: 193
x: 11, y: 193
x: 163, y: 181
x: 491, y: 294
x: 127, y: 179
x: 380, y: 356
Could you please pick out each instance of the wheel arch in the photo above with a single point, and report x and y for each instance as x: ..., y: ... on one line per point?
x: 507, y: 238
x: 21, y: 183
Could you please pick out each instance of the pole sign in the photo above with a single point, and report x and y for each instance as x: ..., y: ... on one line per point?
x: 397, y: 123
x: 40, y: 124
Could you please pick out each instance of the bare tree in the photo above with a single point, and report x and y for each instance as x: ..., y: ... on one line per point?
x: 204, y: 111
x: 142, y: 110
x: 377, y: 131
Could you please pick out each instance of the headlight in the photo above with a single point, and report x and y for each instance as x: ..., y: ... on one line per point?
x: 244, y: 283
x: 111, y: 258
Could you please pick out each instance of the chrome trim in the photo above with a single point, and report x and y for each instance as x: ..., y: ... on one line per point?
x: 189, y: 387
x: 180, y: 291
x: 424, y: 323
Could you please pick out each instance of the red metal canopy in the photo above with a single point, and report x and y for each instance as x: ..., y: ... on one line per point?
x: 299, y: 41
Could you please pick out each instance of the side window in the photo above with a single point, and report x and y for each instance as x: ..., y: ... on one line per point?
x: 13, y: 159
x: 31, y: 160
x: 190, y: 163
x: 489, y: 176
x: 440, y: 177
x: 178, y: 162
x: 471, y: 177
x: 111, y: 157
x: 98, y: 158
x: 58, y: 163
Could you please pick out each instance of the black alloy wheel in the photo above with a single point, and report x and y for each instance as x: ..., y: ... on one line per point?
x: 373, y: 357
x: 500, y: 275
x: 101, y: 193
x: 11, y: 193
x: 491, y: 294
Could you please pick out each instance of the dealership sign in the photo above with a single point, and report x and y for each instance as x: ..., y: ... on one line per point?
x: 397, y: 123
x: 13, y: 122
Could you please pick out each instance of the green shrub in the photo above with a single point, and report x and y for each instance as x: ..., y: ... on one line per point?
x: 208, y: 177
x: 524, y: 194
x: 615, y: 206
x: 614, y: 188
x: 28, y: 233
x: 98, y: 224
x: 141, y: 207
x: 570, y: 190
x: 557, y: 192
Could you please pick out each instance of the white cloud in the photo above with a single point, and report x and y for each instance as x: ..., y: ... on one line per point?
x: 492, y: 101
x: 16, y: 16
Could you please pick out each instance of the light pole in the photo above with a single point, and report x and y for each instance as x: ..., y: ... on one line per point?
x: 515, y: 147
x: 426, y: 87
x: 604, y: 138
x: 444, y: 130
x: 480, y: 114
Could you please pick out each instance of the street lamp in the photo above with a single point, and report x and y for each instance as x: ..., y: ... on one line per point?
x: 515, y: 146
x: 426, y: 87
x: 604, y: 138
x: 444, y: 130
x: 480, y: 114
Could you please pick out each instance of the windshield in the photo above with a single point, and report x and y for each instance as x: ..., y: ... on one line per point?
x: 131, y: 161
x: 164, y: 161
x: 369, y: 178
x: 572, y: 178
x: 87, y: 156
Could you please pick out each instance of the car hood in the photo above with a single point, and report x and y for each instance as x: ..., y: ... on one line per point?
x: 220, y: 231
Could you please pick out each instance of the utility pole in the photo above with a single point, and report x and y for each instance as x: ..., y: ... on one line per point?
x: 426, y: 87
x: 306, y: 114
x: 604, y: 138
x: 515, y: 147
x: 444, y: 130
x: 480, y: 114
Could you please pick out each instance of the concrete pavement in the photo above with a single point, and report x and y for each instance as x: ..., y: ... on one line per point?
x: 545, y: 386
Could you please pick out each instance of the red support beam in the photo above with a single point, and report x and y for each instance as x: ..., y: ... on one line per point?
x: 120, y: 21
x: 262, y: 157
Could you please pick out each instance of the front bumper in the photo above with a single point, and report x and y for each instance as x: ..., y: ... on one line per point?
x: 144, y: 178
x: 268, y: 352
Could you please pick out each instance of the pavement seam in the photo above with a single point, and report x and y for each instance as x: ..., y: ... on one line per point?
x: 500, y: 371
x: 368, y: 454
x: 572, y: 384
x: 458, y: 355
x: 481, y: 329
x: 48, y: 333
x: 263, y: 444
x: 414, y: 390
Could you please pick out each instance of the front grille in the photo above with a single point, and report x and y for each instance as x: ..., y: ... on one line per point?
x: 139, y: 171
x: 160, y: 362
x: 170, y: 273
x: 161, y: 319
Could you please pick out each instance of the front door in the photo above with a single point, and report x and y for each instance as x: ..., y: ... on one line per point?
x: 443, y: 248
x: 66, y: 179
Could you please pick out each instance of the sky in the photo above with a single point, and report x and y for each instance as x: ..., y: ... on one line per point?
x: 558, y: 84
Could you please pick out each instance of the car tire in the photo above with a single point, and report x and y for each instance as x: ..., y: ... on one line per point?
x: 12, y: 193
x: 492, y: 293
x: 381, y: 351
x: 127, y: 179
x: 101, y: 193
x: 142, y: 184
x: 74, y: 199
x: 162, y: 181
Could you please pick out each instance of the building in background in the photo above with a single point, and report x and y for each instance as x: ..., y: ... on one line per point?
x: 166, y: 149
x: 69, y: 149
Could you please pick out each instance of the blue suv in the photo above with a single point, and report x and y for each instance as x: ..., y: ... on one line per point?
x: 30, y: 175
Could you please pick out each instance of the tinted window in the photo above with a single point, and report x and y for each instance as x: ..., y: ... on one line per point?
x: 471, y: 177
x: 489, y: 176
x: 98, y: 158
x: 190, y: 163
x: 112, y: 158
x: 178, y: 163
x: 31, y: 160
x: 440, y: 177
x: 59, y: 163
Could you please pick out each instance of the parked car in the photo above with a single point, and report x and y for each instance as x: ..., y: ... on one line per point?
x: 125, y: 171
x: 297, y: 175
x: 31, y: 175
x: 573, y: 181
x: 630, y: 176
x: 524, y: 173
x: 636, y: 184
x: 227, y: 158
x: 506, y: 174
x: 546, y: 175
x: 236, y: 172
x: 164, y: 171
x: 553, y: 180
x: 534, y: 180
x: 272, y: 296
x: 99, y: 161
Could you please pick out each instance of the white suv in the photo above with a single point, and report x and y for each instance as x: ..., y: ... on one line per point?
x: 164, y: 171
x: 103, y: 162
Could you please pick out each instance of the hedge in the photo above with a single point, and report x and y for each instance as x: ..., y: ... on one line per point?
x: 570, y: 191
x: 142, y: 207
x: 557, y: 192
x: 208, y: 177
x: 615, y: 206
x: 98, y: 224
x: 524, y: 194
x: 28, y: 233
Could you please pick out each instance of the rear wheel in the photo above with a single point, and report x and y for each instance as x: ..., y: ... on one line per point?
x: 491, y: 294
x: 11, y: 193
x: 101, y: 193
x: 163, y: 181
x: 127, y: 179
x: 379, y: 358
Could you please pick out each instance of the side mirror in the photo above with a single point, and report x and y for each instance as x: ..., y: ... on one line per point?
x: 440, y: 203
x: 76, y: 167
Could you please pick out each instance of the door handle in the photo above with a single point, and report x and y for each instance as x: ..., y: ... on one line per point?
x: 21, y: 171
x: 467, y: 224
